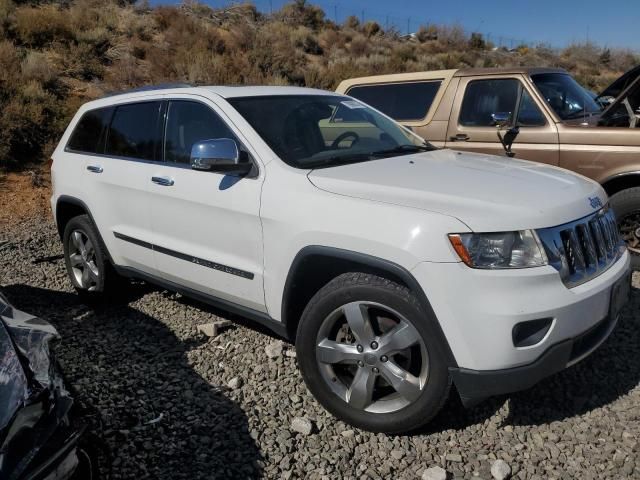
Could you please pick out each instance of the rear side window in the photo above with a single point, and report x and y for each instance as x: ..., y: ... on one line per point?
x: 189, y: 123
x: 400, y: 101
x: 135, y: 131
x: 483, y: 98
x: 88, y: 136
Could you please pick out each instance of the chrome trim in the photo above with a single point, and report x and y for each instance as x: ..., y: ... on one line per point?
x: 585, y: 248
x: 95, y: 169
x: 188, y: 258
x: 163, y: 181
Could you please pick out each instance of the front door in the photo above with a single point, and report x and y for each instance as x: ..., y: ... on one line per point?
x: 472, y: 125
x: 207, y: 230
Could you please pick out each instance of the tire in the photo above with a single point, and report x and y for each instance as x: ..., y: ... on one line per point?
x: 101, y: 280
x: 395, y: 406
x: 626, y: 205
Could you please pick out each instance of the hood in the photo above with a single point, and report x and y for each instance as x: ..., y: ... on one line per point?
x: 624, y: 111
x: 486, y: 192
x: 621, y: 83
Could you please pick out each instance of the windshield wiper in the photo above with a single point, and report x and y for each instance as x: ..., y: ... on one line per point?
x: 339, y: 160
x: 404, y: 149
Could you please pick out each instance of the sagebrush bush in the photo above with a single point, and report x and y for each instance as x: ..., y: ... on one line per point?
x: 56, y: 55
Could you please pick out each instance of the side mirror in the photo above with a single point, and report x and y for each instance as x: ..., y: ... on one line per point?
x: 220, y: 155
x: 501, y: 119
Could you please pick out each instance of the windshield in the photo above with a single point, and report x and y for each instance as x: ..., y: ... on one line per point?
x: 566, y: 96
x: 316, y: 131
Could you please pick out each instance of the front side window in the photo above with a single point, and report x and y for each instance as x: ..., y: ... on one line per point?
x: 135, y: 131
x: 88, y: 136
x: 188, y: 123
x: 483, y: 98
x: 409, y: 101
x: 315, y: 131
x: 565, y: 96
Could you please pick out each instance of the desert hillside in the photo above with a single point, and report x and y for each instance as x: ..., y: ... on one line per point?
x: 56, y: 55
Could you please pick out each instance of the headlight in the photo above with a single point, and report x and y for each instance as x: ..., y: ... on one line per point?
x: 499, y: 250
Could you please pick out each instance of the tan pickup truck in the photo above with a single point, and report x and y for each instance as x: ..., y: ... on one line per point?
x: 538, y: 114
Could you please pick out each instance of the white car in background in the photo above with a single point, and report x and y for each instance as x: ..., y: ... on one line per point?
x: 397, y: 268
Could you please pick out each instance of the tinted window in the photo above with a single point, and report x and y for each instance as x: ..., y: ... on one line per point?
x: 89, y: 133
x: 135, y: 131
x: 529, y: 115
x: 485, y: 97
x: 401, y: 101
x: 188, y: 123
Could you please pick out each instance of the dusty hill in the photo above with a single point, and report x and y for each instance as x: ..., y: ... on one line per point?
x: 55, y: 56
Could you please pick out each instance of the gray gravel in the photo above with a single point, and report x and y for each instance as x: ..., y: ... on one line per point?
x: 174, y: 403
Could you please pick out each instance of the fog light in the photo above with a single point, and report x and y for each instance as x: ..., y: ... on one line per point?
x: 527, y: 334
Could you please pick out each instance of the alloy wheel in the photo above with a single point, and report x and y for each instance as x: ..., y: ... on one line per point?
x: 372, y: 357
x: 82, y: 257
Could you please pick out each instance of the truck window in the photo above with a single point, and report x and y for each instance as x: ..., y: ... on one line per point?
x: 88, y: 136
x: 135, y: 132
x: 483, y: 98
x: 401, y: 101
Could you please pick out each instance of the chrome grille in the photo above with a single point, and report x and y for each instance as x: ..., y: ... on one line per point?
x: 583, y: 249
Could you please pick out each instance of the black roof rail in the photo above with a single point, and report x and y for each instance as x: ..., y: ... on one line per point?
x: 146, y: 88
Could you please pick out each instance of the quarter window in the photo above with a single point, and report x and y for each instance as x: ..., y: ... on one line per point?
x: 88, y: 136
x: 529, y: 115
x: 401, y: 101
x: 135, y: 131
x: 189, y: 123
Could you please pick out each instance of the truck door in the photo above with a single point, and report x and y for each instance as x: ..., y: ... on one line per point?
x: 472, y: 126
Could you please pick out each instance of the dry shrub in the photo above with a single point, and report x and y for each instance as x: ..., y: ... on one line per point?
x: 38, y: 26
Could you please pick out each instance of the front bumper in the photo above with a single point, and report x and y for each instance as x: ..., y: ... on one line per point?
x: 476, y: 385
x: 478, y: 309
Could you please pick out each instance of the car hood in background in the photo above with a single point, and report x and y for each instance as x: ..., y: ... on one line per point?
x: 486, y: 192
x: 621, y: 83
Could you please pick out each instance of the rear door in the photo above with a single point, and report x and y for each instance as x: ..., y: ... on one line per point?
x: 472, y: 128
x: 118, y: 182
x: 207, y: 228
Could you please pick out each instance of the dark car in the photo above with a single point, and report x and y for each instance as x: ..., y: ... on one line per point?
x: 39, y: 435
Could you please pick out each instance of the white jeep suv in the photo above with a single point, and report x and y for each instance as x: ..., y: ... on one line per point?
x: 397, y: 268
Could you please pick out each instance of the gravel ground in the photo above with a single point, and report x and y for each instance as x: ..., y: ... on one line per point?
x: 173, y: 403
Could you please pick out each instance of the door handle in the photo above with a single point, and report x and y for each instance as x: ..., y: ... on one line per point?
x: 163, y: 181
x: 461, y: 137
x: 95, y: 169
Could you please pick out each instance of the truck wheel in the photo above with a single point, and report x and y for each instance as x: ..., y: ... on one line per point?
x: 369, y: 354
x: 86, y: 260
x: 626, y: 205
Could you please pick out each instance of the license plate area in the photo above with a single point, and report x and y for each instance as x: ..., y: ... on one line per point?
x: 619, y: 296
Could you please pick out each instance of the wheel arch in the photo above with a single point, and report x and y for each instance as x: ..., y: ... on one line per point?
x: 621, y: 181
x: 68, y: 207
x: 315, y: 266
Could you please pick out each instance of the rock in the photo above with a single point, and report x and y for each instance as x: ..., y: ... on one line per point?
x: 500, y: 470
x: 213, y: 329
x: 397, y: 454
x: 434, y: 473
x: 348, y: 433
x: 234, y: 383
x: 274, y: 349
x: 290, y: 353
x: 302, y: 425
x: 453, y: 457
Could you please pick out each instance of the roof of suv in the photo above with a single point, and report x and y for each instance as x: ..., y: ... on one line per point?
x: 223, y: 91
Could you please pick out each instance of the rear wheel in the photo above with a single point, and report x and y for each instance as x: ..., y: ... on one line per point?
x: 626, y: 205
x: 371, y: 356
x: 86, y: 260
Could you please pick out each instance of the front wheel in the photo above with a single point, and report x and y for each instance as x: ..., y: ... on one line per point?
x: 626, y: 205
x: 371, y: 356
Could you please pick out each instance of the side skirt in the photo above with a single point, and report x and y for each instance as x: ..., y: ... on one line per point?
x: 255, y: 316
